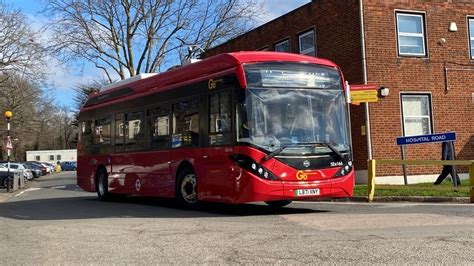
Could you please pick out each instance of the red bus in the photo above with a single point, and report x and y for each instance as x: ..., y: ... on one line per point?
x: 234, y: 128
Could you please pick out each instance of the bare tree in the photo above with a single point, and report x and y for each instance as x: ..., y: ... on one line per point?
x: 128, y: 37
x: 25, y: 99
x: 20, y: 50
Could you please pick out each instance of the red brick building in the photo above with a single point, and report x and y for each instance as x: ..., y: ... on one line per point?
x: 422, y: 50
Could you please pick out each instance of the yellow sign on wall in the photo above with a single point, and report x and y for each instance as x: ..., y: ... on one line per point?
x: 364, y: 96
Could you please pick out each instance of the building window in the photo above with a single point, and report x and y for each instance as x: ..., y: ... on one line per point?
x: 307, y: 43
x: 51, y: 157
x: 416, y: 113
x: 38, y: 158
x: 411, y: 34
x: 58, y: 157
x: 283, y: 46
x: 471, y: 36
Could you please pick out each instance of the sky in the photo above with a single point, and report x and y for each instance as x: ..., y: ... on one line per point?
x: 64, y: 79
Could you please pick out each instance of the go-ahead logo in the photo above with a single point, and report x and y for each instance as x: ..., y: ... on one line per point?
x: 301, y: 176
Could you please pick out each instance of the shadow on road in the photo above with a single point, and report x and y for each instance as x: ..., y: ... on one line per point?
x: 129, y: 207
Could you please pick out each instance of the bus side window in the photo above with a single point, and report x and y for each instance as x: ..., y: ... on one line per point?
x: 134, y: 131
x: 220, y: 118
x: 119, y: 135
x: 102, y: 131
x: 86, y: 132
x: 185, y: 124
x: 158, y: 126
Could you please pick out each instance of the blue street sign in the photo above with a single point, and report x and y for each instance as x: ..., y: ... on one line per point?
x: 440, y: 137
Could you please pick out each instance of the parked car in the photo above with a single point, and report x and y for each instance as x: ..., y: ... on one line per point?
x: 68, y: 166
x: 44, y: 170
x: 49, y: 167
x: 37, y: 170
x: 15, y: 167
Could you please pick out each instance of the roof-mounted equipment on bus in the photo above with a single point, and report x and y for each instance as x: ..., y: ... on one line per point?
x: 127, y: 81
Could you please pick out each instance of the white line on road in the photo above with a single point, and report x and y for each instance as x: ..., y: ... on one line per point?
x: 59, y: 187
x: 30, y: 189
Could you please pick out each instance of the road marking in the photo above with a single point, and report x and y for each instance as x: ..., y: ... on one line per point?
x: 30, y: 189
x: 59, y: 187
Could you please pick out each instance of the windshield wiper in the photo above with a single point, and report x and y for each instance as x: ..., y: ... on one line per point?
x: 275, y: 153
x: 305, y: 144
x: 327, y: 145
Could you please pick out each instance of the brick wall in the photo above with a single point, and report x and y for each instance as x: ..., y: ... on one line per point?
x: 453, y: 109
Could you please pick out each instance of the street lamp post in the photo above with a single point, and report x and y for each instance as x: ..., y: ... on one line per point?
x: 8, y: 115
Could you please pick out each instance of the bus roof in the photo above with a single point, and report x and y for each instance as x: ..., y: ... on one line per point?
x: 204, y: 69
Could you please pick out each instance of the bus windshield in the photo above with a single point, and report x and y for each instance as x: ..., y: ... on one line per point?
x: 302, y: 119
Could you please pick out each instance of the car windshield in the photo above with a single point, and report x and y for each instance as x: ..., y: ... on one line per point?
x: 301, y: 119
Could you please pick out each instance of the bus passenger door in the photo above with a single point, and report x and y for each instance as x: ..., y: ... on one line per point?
x: 219, y: 179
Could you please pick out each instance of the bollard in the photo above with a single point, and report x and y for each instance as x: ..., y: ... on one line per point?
x: 16, y: 181
x: 370, y: 180
x: 21, y: 180
x: 471, y: 182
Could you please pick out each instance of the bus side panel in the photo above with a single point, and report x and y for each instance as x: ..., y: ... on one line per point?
x: 218, y: 177
x: 87, y: 167
x: 85, y: 174
x: 142, y: 173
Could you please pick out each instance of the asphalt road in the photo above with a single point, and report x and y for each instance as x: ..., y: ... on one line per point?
x: 54, y: 222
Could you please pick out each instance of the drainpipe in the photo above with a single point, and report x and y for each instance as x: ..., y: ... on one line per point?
x: 364, y: 72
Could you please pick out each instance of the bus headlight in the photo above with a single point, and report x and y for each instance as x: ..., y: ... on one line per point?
x: 345, y: 169
x: 250, y: 165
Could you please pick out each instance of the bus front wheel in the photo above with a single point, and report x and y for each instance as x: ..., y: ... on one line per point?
x: 278, y: 203
x: 186, y: 189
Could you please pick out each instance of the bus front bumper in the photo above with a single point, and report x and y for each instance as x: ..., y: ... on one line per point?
x: 253, y: 189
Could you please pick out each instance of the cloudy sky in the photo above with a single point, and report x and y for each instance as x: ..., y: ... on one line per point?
x: 63, y: 79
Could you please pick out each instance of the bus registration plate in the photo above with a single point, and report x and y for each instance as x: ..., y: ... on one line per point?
x: 307, y: 192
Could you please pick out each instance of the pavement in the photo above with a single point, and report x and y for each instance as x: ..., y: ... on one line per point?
x: 5, y: 196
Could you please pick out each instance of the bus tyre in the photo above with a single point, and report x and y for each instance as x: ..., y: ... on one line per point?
x: 102, y: 186
x: 278, y: 203
x: 186, y: 184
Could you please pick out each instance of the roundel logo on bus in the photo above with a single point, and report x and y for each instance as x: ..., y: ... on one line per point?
x: 211, y: 84
x: 301, y: 176
x: 138, y: 184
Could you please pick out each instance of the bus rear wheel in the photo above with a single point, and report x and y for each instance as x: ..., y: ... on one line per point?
x: 278, y: 203
x: 102, y: 186
x: 186, y: 192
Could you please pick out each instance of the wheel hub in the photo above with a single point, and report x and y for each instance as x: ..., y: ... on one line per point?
x: 188, y: 188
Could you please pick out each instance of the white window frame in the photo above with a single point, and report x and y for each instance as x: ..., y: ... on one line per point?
x: 287, y: 40
x: 310, y: 51
x: 430, y: 110
x: 470, y: 38
x: 409, y: 34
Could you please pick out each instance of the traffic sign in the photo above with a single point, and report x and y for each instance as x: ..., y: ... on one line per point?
x: 8, y: 143
x: 363, y: 94
x: 440, y: 137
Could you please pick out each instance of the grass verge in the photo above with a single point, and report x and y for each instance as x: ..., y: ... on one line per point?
x: 446, y: 189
